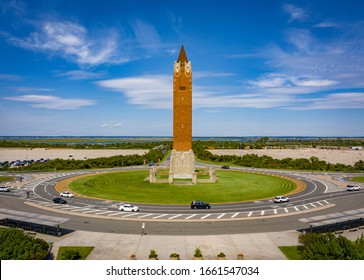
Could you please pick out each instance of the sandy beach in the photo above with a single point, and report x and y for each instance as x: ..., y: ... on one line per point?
x: 331, y: 156
x: 12, y: 154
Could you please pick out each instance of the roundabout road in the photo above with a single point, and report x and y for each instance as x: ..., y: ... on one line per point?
x: 89, y: 214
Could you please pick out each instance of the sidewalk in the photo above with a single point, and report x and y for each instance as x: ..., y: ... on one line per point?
x: 110, y: 246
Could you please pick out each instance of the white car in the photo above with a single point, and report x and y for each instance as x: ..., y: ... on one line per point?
x: 66, y: 194
x: 281, y: 199
x: 4, y: 189
x: 128, y: 208
x: 352, y: 188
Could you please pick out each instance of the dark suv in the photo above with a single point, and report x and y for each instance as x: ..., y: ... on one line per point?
x: 197, y: 204
x: 59, y: 200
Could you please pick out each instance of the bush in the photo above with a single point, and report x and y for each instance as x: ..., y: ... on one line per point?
x: 326, y: 246
x: 16, y: 244
x: 71, y: 255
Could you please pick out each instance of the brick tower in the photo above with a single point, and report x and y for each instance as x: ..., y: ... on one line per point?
x: 182, y: 157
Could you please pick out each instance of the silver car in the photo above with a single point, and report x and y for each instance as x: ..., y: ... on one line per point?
x: 281, y: 199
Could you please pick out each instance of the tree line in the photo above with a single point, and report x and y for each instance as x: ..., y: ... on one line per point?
x: 154, y: 155
x: 255, y: 161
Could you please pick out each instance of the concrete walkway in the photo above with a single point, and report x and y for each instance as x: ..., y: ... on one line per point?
x: 110, y: 246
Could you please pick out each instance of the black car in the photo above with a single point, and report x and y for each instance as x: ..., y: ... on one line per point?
x: 225, y: 167
x: 197, y: 204
x: 59, y: 200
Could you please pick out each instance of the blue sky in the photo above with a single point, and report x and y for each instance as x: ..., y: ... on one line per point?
x: 104, y: 68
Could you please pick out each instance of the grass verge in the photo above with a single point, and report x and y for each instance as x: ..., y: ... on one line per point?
x: 357, y: 179
x: 6, y: 178
x: 83, y: 251
x: 291, y: 252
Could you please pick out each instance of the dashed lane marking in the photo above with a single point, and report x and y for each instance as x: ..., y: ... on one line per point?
x: 262, y: 213
x: 160, y: 216
x: 233, y: 216
x: 81, y: 209
x: 305, y: 206
x: 313, y: 205
x: 146, y: 215
x: 326, y: 202
x: 104, y: 212
x: 222, y: 215
x: 250, y: 213
x: 319, y: 203
x: 296, y: 208
x: 275, y: 211
x: 129, y: 215
x: 285, y: 209
x: 204, y: 217
x: 91, y: 211
x: 175, y: 216
x: 191, y: 216
x: 114, y: 214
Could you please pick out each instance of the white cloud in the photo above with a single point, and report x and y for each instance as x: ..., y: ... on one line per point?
x: 346, y: 100
x: 79, y: 75
x: 151, y: 91
x: 104, y: 125
x: 276, y: 80
x: 145, y: 34
x: 72, y: 41
x: 295, y: 13
x: 10, y: 77
x: 52, y: 102
x: 117, y: 125
x: 155, y: 92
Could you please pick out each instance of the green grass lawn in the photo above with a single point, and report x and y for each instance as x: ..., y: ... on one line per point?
x: 129, y: 186
x: 83, y: 251
x: 6, y: 178
x: 291, y: 252
x: 357, y: 179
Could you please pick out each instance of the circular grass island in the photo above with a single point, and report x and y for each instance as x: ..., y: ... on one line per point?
x: 357, y: 179
x: 232, y: 186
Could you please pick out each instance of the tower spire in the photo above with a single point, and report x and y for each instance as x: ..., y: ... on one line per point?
x: 182, y: 55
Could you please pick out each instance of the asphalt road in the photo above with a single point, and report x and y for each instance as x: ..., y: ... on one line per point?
x: 181, y: 220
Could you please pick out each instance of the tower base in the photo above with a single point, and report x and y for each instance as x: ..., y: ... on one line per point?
x: 182, y: 166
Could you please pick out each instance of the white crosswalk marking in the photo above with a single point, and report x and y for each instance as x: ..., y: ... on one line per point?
x: 233, y: 216
x: 191, y: 216
x: 91, y: 211
x: 326, y: 202
x: 204, y: 217
x: 146, y: 215
x: 160, y: 216
x: 104, y: 212
x: 175, y: 216
x: 305, y: 206
x: 262, y: 213
x: 222, y: 215
x: 250, y: 213
x: 296, y: 208
x: 313, y: 205
x: 275, y: 211
x: 319, y: 203
x: 285, y: 209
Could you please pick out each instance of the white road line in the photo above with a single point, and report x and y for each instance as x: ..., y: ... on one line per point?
x: 319, y: 203
x: 146, y: 215
x: 275, y: 211
x: 104, y: 212
x: 285, y: 209
x: 233, y: 216
x: 250, y: 213
x: 80, y: 209
x: 204, y: 217
x: 189, y: 217
x: 160, y: 216
x: 296, y: 208
x: 313, y: 205
x: 175, y: 216
x: 326, y: 202
x: 222, y: 215
x: 91, y: 211
x: 262, y: 213
x: 114, y: 214
x: 130, y: 215
x: 305, y: 206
